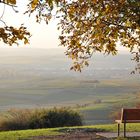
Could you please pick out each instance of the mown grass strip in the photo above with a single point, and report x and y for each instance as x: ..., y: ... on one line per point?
x: 15, y: 135
x: 133, y: 127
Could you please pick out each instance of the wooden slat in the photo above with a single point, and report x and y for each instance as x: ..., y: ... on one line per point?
x: 131, y: 114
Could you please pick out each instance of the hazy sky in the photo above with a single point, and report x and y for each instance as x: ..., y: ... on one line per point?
x: 43, y: 36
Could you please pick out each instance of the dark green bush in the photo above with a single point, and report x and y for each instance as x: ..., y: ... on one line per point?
x: 40, y: 118
x: 55, y: 118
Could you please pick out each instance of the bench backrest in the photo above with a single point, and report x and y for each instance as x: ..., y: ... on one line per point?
x: 130, y: 114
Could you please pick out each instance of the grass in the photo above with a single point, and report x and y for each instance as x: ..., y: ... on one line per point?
x: 113, y: 127
x: 15, y: 135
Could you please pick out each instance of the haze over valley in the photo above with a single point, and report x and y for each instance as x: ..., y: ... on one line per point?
x: 42, y: 78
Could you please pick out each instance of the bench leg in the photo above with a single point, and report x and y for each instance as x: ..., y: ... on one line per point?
x: 124, y: 130
x: 118, y: 129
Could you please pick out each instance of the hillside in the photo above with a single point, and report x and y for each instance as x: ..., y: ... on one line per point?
x: 39, y: 77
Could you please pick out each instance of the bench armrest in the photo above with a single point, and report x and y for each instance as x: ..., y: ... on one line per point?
x: 118, y: 121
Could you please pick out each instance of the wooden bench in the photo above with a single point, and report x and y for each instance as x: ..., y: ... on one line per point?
x: 128, y: 116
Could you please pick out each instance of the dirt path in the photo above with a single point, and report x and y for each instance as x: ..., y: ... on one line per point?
x: 71, y: 136
x: 114, y: 135
x: 83, y: 134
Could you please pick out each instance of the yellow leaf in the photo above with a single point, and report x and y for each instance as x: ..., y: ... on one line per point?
x: 34, y: 4
x: 72, y: 56
x: 26, y: 41
x: 94, y: 1
x: 11, y: 1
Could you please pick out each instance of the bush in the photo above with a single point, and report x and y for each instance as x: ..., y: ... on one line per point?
x: 39, y: 118
x: 15, y: 119
x: 54, y: 118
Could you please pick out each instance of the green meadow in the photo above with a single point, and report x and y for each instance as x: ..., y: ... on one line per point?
x: 25, y: 134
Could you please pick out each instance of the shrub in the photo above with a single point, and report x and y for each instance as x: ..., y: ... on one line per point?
x: 54, y: 118
x: 15, y: 119
x: 39, y: 118
x: 63, y: 117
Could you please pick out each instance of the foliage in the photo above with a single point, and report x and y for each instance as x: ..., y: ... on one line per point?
x: 54, y: 118
x: 18, y: 119
x: 12, y: 35
x: 15, y: 119
x: 92, y: 26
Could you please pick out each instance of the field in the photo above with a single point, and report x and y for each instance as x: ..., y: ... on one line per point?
x: 35, y: 78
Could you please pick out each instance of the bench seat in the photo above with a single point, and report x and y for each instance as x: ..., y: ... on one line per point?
x: 128, y: 116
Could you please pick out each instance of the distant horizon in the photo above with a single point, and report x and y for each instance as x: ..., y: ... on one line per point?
x: 61, y: 48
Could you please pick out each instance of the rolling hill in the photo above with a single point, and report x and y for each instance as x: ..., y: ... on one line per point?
x: 41, y: 78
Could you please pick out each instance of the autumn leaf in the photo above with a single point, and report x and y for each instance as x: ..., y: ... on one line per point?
x: 26, y: 41
x: 13, y: 2
x: 34, y: 3
x: 94, y: 1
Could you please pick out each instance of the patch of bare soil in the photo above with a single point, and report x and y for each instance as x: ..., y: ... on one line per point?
x: 73, y: 134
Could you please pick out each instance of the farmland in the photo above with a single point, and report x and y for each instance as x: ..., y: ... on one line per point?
x: 35, y: 78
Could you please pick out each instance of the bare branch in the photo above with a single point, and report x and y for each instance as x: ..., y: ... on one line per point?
x: 2, y: 12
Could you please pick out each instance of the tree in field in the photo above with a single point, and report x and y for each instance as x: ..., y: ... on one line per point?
x: 87, y: 26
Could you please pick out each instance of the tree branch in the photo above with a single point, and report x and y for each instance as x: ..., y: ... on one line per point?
x: 7, y: 4
x: 2, y: 12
